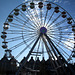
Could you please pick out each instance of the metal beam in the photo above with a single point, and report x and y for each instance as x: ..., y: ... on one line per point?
x: 25, y: 60
x: 53, y: 49
x: 49, y: 40
x: 50, y: 55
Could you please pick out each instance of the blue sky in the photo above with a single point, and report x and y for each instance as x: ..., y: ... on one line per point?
x: 6, y: 6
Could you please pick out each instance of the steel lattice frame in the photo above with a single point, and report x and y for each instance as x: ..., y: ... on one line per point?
x: 43, y: 29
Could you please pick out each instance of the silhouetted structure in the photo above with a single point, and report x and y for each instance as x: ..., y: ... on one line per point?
x: 43, y: 67
x: 8, y: 67
x: 32, y: 67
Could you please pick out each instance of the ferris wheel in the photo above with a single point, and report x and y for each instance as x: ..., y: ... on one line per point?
x: 40, y: 29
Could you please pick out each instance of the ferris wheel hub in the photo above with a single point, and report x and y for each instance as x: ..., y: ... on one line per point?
x: 43, y: 30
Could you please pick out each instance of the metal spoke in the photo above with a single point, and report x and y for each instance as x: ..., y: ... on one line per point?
x: 20, y: 38
x: 25, y: 48
x: 45, y: 16
x: 36, y: 14
x: 28, y: 20
x: 58, y: 24
x: 41, y: 16
x: 62, y: 43
x: 22, y: 43
x: 61, y: 49
x: 32, y: 17
x: 54, y: 20
x: 50, y: 18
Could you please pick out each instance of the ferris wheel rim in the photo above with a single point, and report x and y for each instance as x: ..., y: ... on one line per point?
x: 35, y: 4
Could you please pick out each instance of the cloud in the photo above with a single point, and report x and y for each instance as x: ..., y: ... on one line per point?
x: 67, y: 2
x: 56, y: 1
x: 39, y: 0
x: 60, y: 1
